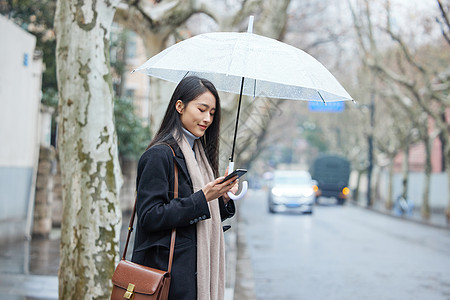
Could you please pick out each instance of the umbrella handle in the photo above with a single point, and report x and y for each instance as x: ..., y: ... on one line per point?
x: 242, y: 194
x: 244, y: 185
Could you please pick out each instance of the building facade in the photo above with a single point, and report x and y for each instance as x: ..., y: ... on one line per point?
x: 20, y: 93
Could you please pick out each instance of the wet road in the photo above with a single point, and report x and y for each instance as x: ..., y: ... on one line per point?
x: 343, y: 253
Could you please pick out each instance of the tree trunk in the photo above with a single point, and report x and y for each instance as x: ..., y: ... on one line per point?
x: 425, y: 209
x: 447, y: 211
x: 87, y: 142
x: 376, y: 196
x: 446, y: 153
x: 389, y: 200
x: 357, y: 185
x: 405, y: 172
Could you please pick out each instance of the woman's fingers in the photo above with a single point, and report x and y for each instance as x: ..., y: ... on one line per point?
x: 229, y: 185
x: 226, y: 172
x: 218, y: 187
x: 228, y: 182
x: 235, y: 187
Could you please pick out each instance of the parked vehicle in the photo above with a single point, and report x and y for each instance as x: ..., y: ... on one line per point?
x: 291, y: 190
x: 331, y: 172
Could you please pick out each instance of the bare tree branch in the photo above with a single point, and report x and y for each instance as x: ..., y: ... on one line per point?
x: 358, y: 29
x: 445, y: 25
x: 400, y: 42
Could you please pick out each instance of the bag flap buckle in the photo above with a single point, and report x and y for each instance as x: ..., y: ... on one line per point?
x: 129, y: 293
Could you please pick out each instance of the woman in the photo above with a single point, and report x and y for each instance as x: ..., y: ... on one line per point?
x: 191, y: 127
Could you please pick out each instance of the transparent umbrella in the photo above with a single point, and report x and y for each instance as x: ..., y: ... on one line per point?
x: 247, y: 64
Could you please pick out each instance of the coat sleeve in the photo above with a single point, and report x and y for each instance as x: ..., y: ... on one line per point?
x: 226, y: 210
x: 155, y: 207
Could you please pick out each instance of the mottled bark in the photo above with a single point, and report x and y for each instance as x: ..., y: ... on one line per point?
x: 405, y: 171
x: 447, y: 211
x: 87, y: 147
x: 425, y: 208
x: 389, y: 201
x: 355, y: 192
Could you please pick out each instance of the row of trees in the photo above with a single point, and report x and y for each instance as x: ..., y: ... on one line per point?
x: 396, y: 68
x: 409, y: 76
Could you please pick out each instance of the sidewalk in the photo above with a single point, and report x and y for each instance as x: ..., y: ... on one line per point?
x: 29, y: 269
x: 437, y: 217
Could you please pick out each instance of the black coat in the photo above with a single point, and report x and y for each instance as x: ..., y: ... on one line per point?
x: 158, y: 213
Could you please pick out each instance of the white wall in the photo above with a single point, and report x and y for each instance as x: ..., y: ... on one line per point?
x: 438, y: 188
x: 20, y: 85
x: 19, y: 103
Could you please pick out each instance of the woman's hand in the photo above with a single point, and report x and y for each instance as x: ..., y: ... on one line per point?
x: 233, y: 190
x: 217, y: 188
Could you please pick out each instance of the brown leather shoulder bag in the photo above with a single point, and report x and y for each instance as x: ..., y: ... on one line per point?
x: 134, y: 281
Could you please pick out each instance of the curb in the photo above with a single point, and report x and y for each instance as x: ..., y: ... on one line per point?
x: 239, y: 278
x: 416, y: 218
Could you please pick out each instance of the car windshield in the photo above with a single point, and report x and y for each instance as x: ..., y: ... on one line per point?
x: 292, y: 179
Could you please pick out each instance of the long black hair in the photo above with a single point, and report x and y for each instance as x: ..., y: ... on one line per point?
x: 187, y: 90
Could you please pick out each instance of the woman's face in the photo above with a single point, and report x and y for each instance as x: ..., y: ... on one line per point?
x: 198, y: 114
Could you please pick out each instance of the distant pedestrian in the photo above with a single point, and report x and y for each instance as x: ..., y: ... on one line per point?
x: 191, y: 127
x: 403, y: 206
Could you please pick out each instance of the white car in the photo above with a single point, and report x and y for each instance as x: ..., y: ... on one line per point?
x: 291, y: 190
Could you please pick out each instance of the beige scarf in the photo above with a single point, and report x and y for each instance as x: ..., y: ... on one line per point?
x: 210, y: 240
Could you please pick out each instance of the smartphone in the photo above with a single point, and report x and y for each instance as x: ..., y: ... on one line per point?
x: 237, y: 172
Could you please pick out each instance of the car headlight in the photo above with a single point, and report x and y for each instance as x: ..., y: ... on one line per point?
x: 308, y: 193
x: 277, y: 192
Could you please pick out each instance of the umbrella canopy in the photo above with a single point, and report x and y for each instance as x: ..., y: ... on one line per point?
x: 270, y: 68
x: 247, y: 64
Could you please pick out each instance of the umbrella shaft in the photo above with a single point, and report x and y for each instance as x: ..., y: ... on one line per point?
x: 237, y: 120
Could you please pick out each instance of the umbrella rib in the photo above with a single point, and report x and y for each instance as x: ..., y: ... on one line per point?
x: 185, y: 75
x: 323, y: 100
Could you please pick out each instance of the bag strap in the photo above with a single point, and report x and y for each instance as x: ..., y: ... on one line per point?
x: 175, y: 195
x: 173, y: 236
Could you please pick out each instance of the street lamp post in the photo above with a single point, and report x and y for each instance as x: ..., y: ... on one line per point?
x: 370, y: 145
